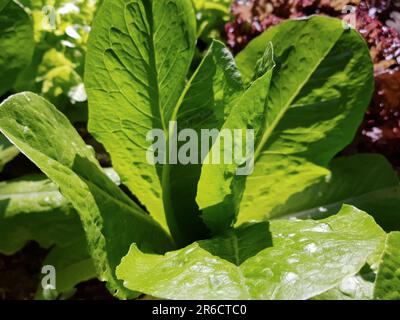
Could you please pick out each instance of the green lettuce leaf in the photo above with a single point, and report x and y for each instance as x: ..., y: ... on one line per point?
x: 73, y: 265
x: 387, y: 284
x: 357, y: 287
x: 315, y: 104
x: 295, y: 260
x: 3, y: 4
x: 110, y: 219
x: 139, y: 55
x: 249, y: 112
x: 16, y: 42
x: 7, y: 151
x: 32, y: 208
x: 366, y: 181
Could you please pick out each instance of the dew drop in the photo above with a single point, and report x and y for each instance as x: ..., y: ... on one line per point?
x: 328, y: 178
x: 289, y: 277
x: 268, y: 272
x: 292, y: 260
x: 27, y: 97
x: 323, y: 227
x: 311, y: 248
x: 348, y: 285
x: 215, y: 282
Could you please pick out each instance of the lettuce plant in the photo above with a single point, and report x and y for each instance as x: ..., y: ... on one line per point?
x: 207, y: 234
x: 7, y: 152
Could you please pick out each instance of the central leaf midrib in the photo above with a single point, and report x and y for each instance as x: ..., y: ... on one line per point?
x: 153, y: 61
x: 166, y: 169
x: 154, y: 77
